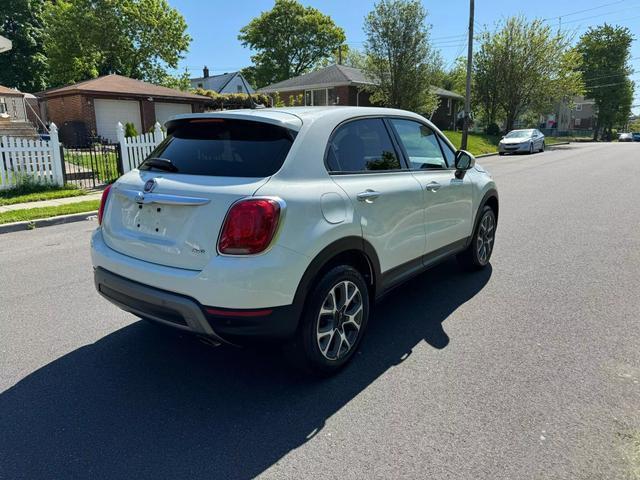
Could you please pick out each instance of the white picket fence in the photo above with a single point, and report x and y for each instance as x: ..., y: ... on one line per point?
x: 135, y: 149
x: 22, y: 157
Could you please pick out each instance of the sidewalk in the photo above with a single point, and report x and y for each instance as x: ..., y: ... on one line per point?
x: 51, y: 203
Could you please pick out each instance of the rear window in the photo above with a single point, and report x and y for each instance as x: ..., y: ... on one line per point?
x: 222, y: 148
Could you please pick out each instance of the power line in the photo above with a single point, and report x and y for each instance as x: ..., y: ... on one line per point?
x: 582, y: 11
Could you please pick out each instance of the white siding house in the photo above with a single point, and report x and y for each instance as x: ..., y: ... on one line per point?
x: 233, y: 82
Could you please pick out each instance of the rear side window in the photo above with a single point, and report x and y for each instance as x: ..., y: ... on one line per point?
x: 360, y: 146
x: 222, y: 148
x: 420, y: 143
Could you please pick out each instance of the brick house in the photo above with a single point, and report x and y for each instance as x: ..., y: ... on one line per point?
x: 94, y: 107
x: 342, y: 85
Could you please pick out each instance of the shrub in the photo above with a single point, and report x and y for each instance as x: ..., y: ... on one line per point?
x: 492, y: 129
x: 130, y: 130
x: 231, y: 101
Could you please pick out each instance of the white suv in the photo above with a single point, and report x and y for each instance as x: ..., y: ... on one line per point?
x: 288, y: 224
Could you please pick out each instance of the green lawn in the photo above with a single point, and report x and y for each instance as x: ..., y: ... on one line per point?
x: 46, y: 212
x: 477, y: 144
x: 36, y: 196
x: 29, y: 189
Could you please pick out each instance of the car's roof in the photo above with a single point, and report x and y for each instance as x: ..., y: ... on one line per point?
x: 294, y: 117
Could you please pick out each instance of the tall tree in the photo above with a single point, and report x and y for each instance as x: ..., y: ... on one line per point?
x: 524, y: 66
x: 135, y: 38
x: 605, y: 52
x: 25, y: 66
x: 455, y: 78
x: 289, y: 40
x: 400, y: 57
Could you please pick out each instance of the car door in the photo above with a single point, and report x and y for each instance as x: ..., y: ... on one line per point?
x: 364, y: 161
x: 447, y: 200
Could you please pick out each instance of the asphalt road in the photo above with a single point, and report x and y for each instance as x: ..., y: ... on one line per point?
x: 528, y: 370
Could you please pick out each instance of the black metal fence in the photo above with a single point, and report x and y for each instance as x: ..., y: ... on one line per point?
x: 92, y: 166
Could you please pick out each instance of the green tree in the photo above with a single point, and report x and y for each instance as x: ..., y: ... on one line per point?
x: 135, y: 38
x: 25, y: 66
x: 522, y: 67
x: 349, y: 57
x: 456, y: 77
x: 400, y: 57
x: 289, y: 40
x: 605, y: 52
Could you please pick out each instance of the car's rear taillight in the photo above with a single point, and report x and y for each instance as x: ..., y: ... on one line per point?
x: 249, y: 226
x: 103, y: 203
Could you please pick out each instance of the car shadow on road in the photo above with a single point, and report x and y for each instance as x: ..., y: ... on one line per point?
x: 142, y: 403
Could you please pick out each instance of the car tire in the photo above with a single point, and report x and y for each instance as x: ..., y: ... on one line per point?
x: 542, y: 147
x: 531, y: 148
x: 332, y: 324
x: 501, y: 153
x: 478, y: 254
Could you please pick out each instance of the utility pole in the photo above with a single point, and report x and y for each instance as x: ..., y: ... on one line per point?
x: 467, y: 99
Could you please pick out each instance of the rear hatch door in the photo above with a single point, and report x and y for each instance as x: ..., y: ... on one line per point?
x: 170, y: 210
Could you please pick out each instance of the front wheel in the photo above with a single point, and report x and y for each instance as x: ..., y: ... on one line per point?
x: 531, y: 148
x: 333, y: 322
x: 542, y: 147
x: 478, y: 253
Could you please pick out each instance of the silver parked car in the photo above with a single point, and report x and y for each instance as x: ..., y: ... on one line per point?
x: 625, y: 137
x: 528, y: 141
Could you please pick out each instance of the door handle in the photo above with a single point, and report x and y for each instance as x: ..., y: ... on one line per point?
x: 433, y: 186
x: 368, y: 195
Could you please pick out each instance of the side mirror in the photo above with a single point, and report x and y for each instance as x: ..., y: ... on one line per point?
x: 464, y: 161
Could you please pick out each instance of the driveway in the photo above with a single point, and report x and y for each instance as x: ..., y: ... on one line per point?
x: 527, y: 370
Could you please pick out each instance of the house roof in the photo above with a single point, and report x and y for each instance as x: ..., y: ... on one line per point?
x: 10, y: 91
x: 331, y: 76
x: 441, y: 92
x: 216, y: 82
x: 117, y: 84
x: 335, y: 75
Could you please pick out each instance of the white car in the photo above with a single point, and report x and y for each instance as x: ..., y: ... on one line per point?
x: 522, y: 141
x: 288, y: 224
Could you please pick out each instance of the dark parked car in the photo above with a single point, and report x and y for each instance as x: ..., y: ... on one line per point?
x: 636, y: 136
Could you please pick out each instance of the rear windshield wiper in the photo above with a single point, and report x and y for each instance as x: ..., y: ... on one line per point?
x: 158, y: 163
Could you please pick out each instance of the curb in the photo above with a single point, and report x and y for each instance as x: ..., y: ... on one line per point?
x: 46, y: 222
x: 496, y: 153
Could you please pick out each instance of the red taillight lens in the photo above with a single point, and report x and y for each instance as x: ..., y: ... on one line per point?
x: 103, y: 203
x: 249, y: 227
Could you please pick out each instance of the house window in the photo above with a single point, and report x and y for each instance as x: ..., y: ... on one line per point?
x: 578, y: 107
x: 239, y: 88
x: 577, y: 121
x: 320, y: 97
x: 3, y: 106
x: 200, y: 85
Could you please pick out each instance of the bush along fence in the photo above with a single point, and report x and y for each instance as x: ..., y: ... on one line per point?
x: 39, y: 159
x: 133, y: 150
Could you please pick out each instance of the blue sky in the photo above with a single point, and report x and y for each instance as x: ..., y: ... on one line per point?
x: 214, y: 24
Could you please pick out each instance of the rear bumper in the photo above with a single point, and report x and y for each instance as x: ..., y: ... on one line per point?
x: 186, y: 314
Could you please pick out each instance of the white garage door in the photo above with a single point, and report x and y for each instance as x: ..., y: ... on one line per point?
x: 110, y: 112
x: 166, y: 110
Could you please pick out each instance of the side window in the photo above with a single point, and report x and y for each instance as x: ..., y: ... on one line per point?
x: 449, y: 153
x: 360, y: 146
x: 420, y: 143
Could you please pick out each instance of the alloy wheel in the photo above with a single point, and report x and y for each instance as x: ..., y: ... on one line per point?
x: 485, y: 238
x: 339, y: 320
